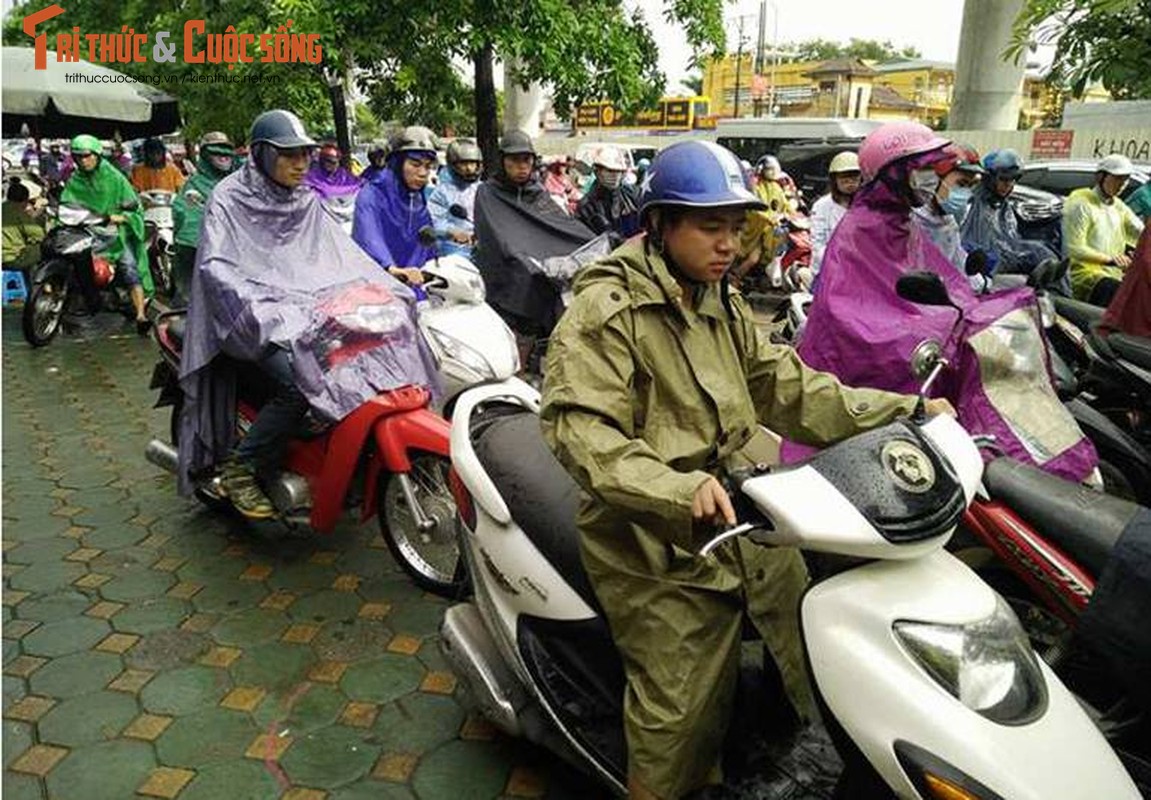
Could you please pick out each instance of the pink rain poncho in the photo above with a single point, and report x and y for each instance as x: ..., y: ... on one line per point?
x: 998, y: 378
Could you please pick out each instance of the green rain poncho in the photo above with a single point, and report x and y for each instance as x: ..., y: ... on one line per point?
x: 106, y: 191
x: 188, y: 207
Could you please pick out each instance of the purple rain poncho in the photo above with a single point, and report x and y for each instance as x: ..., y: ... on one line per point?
x: 337, y: 184
x: 274, y: 269
x: 859, y: 329
x: 389, y: 216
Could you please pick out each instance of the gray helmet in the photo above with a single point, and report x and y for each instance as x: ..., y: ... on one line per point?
x: 516, y: 142
x: 415, y: 139
x: 281, y: 129
x: 464, y: 150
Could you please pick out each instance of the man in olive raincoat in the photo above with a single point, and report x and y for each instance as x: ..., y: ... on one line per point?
x: 656, y: 382
x: 100, y: 187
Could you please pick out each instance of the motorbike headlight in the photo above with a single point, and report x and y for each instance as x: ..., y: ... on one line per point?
x: 987, y: 665
x: 373, y: 319
x: 464, y: 354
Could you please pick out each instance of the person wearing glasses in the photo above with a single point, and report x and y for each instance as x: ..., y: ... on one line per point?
x: 392, y: 208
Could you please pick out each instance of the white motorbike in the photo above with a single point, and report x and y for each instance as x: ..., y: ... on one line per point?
x: 926, y: 681
x: 159, y: 233
x: 469, y: 340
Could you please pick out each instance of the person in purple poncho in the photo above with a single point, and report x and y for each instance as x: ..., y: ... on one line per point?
x: 859, y: 329
x: 392, y: 208
x: 328, y: 178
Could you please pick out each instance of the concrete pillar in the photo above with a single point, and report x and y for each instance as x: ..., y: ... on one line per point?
x: 523, y: 108
x: 987, y: 88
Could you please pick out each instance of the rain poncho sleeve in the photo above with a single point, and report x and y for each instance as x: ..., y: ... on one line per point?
x: 367, y: 228
x: 106, y: 191
x: 1095, y: 232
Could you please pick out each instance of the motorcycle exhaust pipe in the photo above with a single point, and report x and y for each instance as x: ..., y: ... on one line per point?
x: 163, y: 455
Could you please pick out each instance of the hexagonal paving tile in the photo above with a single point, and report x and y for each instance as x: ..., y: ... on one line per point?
x: 302, y: 576
x: 352, y: 640
x: 229, y: 596
x: 111, y: 537
x: 41, y: 550
x: 121, y: 765
x: 418, y: 722
x: 276, y: 666
x: 463, y: 770
x: 325, y: 606
x: 137, y: 585
x: 21, y: 787
x: 86, y: 719
x: 235, y: 780
x: 152, y: 614
x: 183, y: 691
x: 51, y: 606
x: 300, y: 710
x: 15, y: 739
x: 417, y: 619
x: 373, y: 790
x: 383, y: 679
x: 206, y: 737
x: 249, y: 627
x: 54, y: 639
x: 168, y: 648
x: 46, y: 576
x: 329, y: 757
x: 76, y: 674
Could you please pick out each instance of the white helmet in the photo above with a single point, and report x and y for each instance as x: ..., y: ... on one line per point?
x: 610, y: 157
x: 1116, y: 164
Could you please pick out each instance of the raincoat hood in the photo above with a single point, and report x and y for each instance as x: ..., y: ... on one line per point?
x: 861, y: 330
x: 337, y: 184
x: 274, y: 269
x: 389, y: 216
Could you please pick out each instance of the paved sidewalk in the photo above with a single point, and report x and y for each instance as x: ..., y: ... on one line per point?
x: 152, y: 648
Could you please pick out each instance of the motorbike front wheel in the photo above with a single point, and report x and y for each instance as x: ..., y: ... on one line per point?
x: 161, y: 265
x: 427, y: 550
x: 44, y: 311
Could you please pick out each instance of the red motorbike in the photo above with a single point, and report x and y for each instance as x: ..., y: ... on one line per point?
x: 389, y: 458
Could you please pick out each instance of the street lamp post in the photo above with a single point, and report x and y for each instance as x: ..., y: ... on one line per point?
x: 738, y: 66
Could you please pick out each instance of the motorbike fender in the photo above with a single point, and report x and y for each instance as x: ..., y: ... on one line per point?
x: 1103, y: 432
x: 396, y: 435
x: 881, y: 695
x: 52, y: 268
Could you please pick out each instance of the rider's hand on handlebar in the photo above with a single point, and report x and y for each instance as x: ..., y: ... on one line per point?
x: 712, y: 504
x: 1123, y: 261
x: 460, y: 237
x: 407, y: 274
x: 117, y: 219
x: 939, y: 405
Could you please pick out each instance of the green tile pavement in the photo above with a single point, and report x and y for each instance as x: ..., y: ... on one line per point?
x: 153, y: 644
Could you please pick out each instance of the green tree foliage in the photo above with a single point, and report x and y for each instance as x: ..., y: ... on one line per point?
x: 863, y: 49
x: 1095, y: 40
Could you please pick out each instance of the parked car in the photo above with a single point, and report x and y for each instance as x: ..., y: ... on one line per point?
x: 1064, y: 177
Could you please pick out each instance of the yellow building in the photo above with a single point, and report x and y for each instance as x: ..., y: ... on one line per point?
x: 916, y: 89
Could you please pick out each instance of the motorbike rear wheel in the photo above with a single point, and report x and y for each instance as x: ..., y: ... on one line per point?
x: 430, y: 555
x: 43, y: 311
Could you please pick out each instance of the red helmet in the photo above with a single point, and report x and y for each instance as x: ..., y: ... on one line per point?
x: 102, y: 272
x: 893, y: 141
x: 958, y: 156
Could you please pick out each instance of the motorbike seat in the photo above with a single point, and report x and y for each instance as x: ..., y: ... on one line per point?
x: 1136, y: 349
x: 541, y: 496
x: 1083, y: 315
x: 1084, y: 523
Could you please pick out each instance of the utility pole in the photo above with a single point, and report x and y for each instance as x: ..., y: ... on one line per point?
x: 759, y: 55
x: 738, y: 65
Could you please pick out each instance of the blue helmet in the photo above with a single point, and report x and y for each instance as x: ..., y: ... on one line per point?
x: 1004, y: 163
x: 696, y: 175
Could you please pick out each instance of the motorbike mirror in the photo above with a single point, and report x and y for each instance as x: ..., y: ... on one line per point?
x: 427, y: 236
x: 458, y: 211
x: 924, y: 358
x: 976, y: 263
x: 923, y: 288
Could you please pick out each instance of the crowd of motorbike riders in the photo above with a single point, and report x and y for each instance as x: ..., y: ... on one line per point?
x: 656, y: 378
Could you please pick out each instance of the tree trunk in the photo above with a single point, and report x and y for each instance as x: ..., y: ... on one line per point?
x: 487, y: 122
x: 340, y: 114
